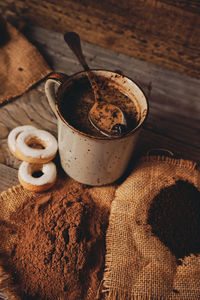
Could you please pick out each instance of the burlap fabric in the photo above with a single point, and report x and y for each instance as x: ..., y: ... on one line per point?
x: 17, y: 196
x: 138, y: 264
x: 21, y: 64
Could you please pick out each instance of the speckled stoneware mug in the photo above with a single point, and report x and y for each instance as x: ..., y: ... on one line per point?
x: 88, y: 159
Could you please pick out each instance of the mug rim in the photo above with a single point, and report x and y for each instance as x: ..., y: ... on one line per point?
x: 71, y: 77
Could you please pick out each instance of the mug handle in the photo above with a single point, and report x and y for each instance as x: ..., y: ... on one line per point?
x: 52, y: 80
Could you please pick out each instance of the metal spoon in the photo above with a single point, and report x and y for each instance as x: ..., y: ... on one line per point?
x: 105, y: 117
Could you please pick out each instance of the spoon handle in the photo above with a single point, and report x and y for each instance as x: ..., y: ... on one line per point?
x: 73, y: 41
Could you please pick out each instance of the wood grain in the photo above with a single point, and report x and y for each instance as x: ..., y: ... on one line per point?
x: 174, y: 101
x: 174, y: 117
x: 163, y: 32
x: 29, y: 109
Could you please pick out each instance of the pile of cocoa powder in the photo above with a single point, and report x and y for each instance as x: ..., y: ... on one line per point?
x: 174, y: 216
x: 59, y: 245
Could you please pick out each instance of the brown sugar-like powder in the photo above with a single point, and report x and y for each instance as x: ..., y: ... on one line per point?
x: 59, y: 245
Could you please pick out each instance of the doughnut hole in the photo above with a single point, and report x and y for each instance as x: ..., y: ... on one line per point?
x: 36, y: 143
x: 37, y: 146
x: 37, y: 177
x: 36, y: 170
x: 37, y: 173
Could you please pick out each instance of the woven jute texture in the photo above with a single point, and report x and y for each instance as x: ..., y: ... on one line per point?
x: 21, y: 64
x: 138, y: 264
x: 15, y: 198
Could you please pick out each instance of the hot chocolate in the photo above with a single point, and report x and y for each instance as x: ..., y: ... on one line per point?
x: 78, y: 99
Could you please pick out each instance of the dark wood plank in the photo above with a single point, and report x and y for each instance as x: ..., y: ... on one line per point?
x: 149, y: 140
x: 29, y: 109
x: 163, y: 32
x: 174, y: 117
x: 189, y: 5
x: 174, y: 101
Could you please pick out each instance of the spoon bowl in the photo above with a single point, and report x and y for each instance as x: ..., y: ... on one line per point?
x: 108, y: 118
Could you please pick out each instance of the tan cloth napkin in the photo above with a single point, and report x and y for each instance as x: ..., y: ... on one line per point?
x: 138, y: 264
x: 21, y: 65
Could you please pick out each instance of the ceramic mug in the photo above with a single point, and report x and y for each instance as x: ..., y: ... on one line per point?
x: 94, y: 160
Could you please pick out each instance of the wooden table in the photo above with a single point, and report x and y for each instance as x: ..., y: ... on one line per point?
x: 174, y: 118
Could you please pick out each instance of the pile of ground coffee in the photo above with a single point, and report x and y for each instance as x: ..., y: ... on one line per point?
x: 59, y: 245
x: 174, y: 216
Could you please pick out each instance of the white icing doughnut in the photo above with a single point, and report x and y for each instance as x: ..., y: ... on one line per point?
x: 33, y: 155
x: 34, y: 184
x: 13, y: 136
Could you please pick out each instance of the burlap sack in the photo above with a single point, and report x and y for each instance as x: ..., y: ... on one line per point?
x: 14, y: 198
x: 21, y: 64
x: 138, y: 264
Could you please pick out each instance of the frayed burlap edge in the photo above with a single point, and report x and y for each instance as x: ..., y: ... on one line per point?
x: 170, y: 160
x: 173, y: 161
x: 117, y: 294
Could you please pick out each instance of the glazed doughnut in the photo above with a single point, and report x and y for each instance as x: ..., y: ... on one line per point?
x: 34, y: 183
x: 13, y: 136
x: 38, y: 137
